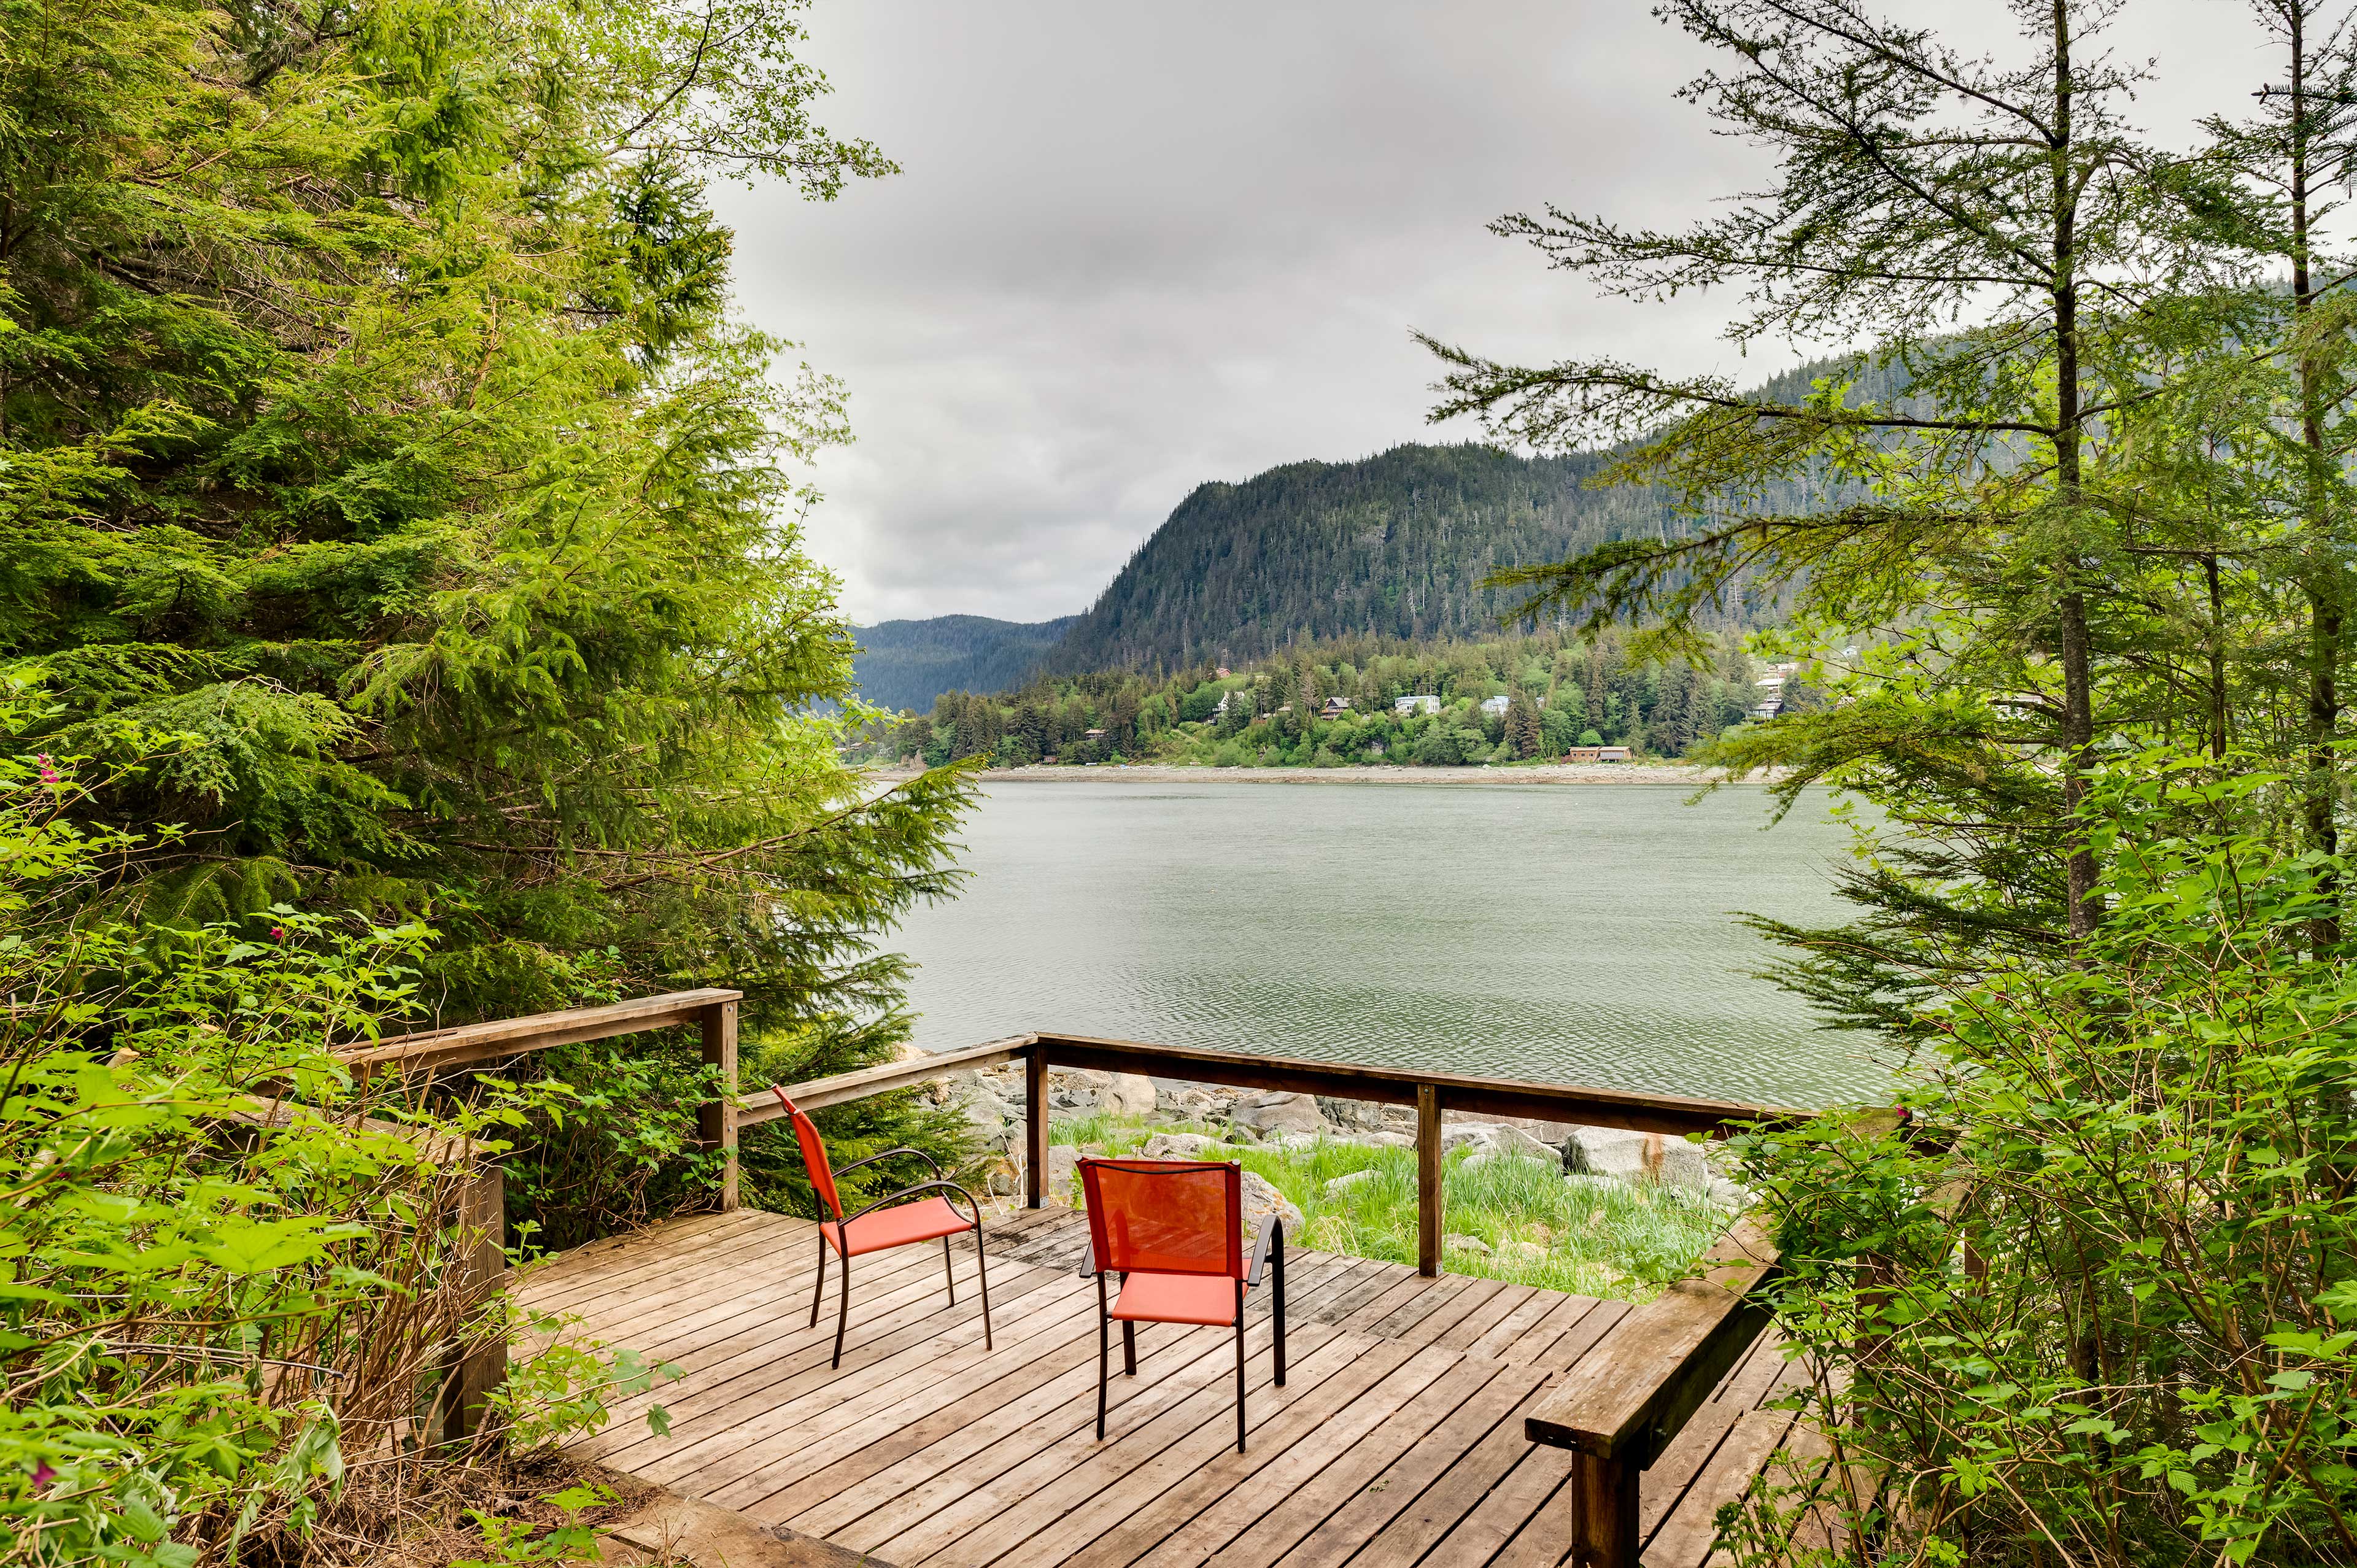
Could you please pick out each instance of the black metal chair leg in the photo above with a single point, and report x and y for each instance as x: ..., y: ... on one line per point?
x: 1129, y: 1346
x: 818, y: 1289
x: 949, y: 1270
x: 981, y: 1272
x: 843, y: 1317
x: 1240, y: 1366
x: 1276, y: 1261
x: 1104, y: 1353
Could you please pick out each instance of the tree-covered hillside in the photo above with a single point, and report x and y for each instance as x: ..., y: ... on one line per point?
x: 1397, y: 546
x: 907, y: 663
x: 1354, y: 701
x: 1394, y: 546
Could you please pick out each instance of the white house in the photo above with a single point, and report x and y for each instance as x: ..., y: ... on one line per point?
x: 1771, y: 686
x: 1417, y: 706
x: 1494, y: 706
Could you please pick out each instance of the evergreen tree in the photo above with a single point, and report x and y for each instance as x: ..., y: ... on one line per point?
x: 375, y: 424
x: 1523, y: 729
x: 2019, y: 264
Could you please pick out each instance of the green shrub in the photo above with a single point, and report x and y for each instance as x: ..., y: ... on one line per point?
x: 226, y: 1269
x: 2100, y: 1306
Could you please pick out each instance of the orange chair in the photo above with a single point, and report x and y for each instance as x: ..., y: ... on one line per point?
x: 1173, y: 1229
x: 879, y: 1226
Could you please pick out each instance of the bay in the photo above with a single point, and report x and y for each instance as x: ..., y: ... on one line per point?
x: 1563, y: 934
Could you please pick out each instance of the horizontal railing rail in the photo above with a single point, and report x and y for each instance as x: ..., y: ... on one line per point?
x: 1630, y: 1109
x: 1432, y: 1093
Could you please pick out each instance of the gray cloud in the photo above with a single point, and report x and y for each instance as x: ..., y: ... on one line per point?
x: 1140, y: 247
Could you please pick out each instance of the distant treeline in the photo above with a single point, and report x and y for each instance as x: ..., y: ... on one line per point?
x: 1558, y: 692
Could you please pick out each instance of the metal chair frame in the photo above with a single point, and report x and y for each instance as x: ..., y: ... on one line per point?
x: 1268, y: 1249
x: 842, y: 1234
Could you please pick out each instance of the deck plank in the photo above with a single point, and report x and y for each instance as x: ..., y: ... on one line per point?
x: 1207, y: 1509
x: 1278, y: 1529
x: 1162, y: 1409
x: 815, y: 1398
x: 787, y: 1386
x: 1397, y: 1438
x: 1205, y: 1463
x: 1438, y: 1507
x: 992, y: 1408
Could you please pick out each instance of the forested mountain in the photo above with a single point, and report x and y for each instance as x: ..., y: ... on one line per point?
x: 1396, y: 545
x: 907, y: 663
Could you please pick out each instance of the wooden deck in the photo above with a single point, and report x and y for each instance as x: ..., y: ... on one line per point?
x: 1397, y: 1439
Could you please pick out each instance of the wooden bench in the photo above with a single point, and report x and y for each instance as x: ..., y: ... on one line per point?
x: 1618, y: 1412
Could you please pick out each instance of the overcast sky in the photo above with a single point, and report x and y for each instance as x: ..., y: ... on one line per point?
x: 1137, y: 247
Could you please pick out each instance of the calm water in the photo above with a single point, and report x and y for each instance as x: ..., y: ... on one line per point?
x: 1572, y: 934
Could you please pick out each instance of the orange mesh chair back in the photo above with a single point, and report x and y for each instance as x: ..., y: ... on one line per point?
x: 1173, y: 1230
x: 822, y: 1172
x: 896, y: 1219
x: 1165, y: 1217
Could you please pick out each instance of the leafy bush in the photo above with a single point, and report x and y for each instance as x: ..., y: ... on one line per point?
x: 226, y: 1288
x: 2102, y: 1308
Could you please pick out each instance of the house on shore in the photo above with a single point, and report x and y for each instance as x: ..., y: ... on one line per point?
x: 1597, y: 753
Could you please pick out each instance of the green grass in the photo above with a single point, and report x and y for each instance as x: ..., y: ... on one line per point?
x: 1590, y: 1235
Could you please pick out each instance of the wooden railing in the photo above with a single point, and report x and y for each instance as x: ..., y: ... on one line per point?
x: 1617, y: 1417
x: 476, y: 1369
x: 1431, y: 1093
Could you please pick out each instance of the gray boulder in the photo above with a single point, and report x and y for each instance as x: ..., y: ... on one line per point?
x: 1342, y: 1184
x: 1360, y: 1114
x: 1127, y: 1094
x: 1272, y: 1115
x: 1177, y: 1146
x: 1063, y: 1173
x: 1637, y: 1156
x: 993, y: 1122
x: 1262, y: 1199
x: 1547, y: 1164
x: 1497, y: 1138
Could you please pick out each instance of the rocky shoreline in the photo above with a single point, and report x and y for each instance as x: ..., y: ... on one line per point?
x: 1670, y: 773
x: 991, y: 1100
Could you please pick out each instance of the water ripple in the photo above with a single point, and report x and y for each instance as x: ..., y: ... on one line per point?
x: 1573, y: 935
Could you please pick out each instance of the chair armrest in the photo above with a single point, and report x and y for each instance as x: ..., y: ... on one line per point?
x: 1632, y: 1393
x: 1089, y: 1256
x: 1271, y: 1238
x: 891, y: 1197
x: 934, y: 1163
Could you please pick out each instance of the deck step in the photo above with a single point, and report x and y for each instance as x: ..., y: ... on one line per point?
x: 675, y: 1529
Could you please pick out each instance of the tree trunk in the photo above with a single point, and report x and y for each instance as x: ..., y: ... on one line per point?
x: 2071, y: 609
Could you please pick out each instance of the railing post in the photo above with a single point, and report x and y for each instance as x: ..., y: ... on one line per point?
x: 1603, y: 1512
x: 1427, y: 1180
x: 1035, y: 1125
x: 716, y: 1120
x: 477, y: 1368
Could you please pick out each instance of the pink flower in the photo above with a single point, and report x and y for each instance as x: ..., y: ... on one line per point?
x: 277, y: 933
x: 43, y: 1475
x: 48, y: 773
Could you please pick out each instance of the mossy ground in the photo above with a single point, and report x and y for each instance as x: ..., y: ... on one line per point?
x: 1590, y: 1235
